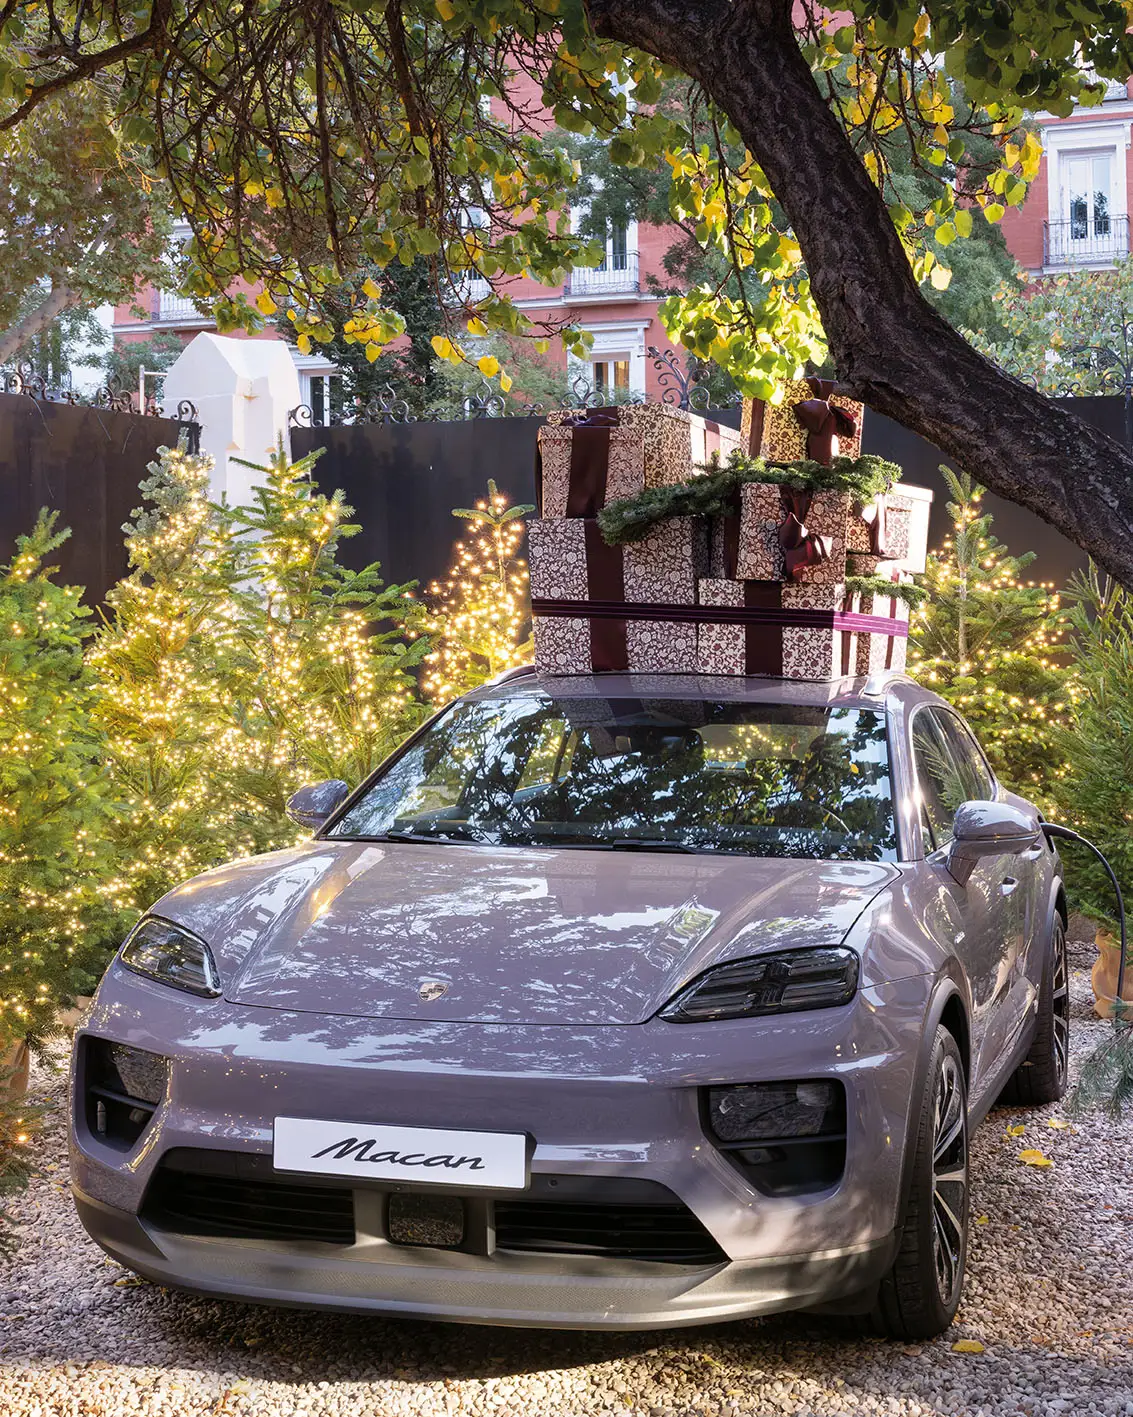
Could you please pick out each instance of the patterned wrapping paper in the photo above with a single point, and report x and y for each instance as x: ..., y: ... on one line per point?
x: 676, y: 441
x: 774, y: 432
x: 571, y: 561
x: 750, y: 549
x: 790, y: 651
x: 582, y: 469
x: 873, y: 653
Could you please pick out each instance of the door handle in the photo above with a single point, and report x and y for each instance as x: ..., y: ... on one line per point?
x: 1007, y: 885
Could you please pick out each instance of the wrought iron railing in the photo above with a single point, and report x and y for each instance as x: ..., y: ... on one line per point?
x: 1085, y: 242
x: 179, y: 309
x: 616, y: 276
x: 110, y: 396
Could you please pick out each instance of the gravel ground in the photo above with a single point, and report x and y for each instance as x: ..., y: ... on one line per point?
x: 1048, y: 1297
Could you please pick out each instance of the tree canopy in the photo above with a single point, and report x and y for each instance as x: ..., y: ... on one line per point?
x: 304, y: 143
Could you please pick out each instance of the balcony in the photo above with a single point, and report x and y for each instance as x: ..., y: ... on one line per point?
x: 1080, y: 242
x: 173, y: 309
x: 616, y: 276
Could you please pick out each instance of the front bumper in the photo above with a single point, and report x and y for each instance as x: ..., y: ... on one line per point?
x: 599, y: 1102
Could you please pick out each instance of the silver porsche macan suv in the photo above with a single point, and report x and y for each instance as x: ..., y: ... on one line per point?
x: 609, y: 1002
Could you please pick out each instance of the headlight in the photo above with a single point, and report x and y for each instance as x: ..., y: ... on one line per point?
x: 163, y: 951
x: 768, y: 984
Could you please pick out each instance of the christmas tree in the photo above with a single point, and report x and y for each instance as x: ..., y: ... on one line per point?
x: 993, y: 643
x: 479, y: 614
x: 327, y: 656
x: 164, y: 663
x: 60, y: 900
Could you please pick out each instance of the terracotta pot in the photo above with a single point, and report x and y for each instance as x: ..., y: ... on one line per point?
x: 1104, y: 975
x: 15, y: 1065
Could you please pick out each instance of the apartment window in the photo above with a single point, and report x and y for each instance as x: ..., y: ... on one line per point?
x: 617, y: 247
x: 1087, y: 194
x: 609, y: 374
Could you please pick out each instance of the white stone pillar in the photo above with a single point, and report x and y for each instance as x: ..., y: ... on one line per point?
x: 243, y: 390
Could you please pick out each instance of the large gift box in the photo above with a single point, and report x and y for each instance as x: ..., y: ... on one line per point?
x: 591, y: 457
x: 608, y: 608
x: 786, y: 631
x: 780, y: 533
x: 812, y: 422
x: 873, y: 653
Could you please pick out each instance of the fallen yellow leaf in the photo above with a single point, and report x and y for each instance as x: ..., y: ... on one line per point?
x: 1017, y: 1130
x: 967, y: 1345
x: 1057, y: 1124
x: 982, y: 1220
x: 1033, y: 1157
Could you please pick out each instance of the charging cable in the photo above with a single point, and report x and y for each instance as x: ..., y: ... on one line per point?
x: 1052, y: 829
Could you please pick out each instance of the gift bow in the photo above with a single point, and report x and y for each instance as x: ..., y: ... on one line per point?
x: 874, y: 516
x: 824, y: 421
x: 801, y: 548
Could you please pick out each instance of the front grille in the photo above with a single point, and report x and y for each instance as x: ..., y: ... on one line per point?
x: 664, y: 1233
x: 195, y: 1204
x: 240, y: 1195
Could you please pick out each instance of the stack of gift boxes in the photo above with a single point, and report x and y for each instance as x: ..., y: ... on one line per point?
x: 761, y: 590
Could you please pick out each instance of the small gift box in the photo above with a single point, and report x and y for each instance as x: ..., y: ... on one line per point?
x: 781, y: 533
x: 675, y: 441
x: 582, y: 469
x: 812, y: 421
x: 785, y: 631
x: 608, y: 608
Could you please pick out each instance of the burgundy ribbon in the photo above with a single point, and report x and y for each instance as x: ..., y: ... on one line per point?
x: 605, y: 584
x: 747, y: 614
x: 801, y: 548
x: 589, y: 468
x: 824, y: 421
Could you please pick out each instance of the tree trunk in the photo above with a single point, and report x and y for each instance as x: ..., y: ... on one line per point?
x: 890, y: 347
x: 59, y: 298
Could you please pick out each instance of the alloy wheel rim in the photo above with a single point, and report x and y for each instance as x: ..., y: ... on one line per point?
x: 1060, y: 1009
x: 949, y: 1181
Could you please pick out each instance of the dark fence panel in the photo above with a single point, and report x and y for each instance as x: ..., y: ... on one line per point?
x: 86, y: 464
x: 403, y: 480
x: 1056, y: 559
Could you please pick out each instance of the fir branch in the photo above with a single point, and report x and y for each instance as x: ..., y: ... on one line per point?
x: 714, y: 493
x: 912, y: 595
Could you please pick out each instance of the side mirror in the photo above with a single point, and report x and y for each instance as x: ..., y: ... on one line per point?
x: 313, y: 804
x: 984, y: 829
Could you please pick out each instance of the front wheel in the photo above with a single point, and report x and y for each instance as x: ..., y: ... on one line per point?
x: 919, y: 1296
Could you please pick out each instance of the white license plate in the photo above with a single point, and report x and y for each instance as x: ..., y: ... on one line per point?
x: 497, y: 1160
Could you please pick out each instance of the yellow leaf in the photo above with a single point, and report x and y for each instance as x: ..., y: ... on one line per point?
x: 446, y: 9
x: 1033, y: 1157
x: 967, y: 1345
x: 372, y: 352
x: 983, y: 1220
x: 274, y: 197
x: 303, y: 344
x: 505, y: 383
x: 489, y: 366
x: 941, y: 277
x: 371, y: 289
x: 1057, y: 1124
x: 476, y: 326
x: 442, y: 347
x: 265, y: 303
x: 1017, y: 1130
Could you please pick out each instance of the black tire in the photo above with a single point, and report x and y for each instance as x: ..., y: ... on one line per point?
x: 919, y: 1296
x: 1043, y: 1074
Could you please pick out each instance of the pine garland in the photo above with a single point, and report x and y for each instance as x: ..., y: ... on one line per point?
x: 912, y: 595
x: 713, y: 494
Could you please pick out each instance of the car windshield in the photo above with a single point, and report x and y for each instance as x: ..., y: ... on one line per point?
x: 659, y: 775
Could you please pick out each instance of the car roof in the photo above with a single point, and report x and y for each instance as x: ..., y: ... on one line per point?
x: 855, y: 691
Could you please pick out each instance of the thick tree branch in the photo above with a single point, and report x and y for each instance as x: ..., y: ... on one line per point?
x: 890, y: 347
x: 58, y: 299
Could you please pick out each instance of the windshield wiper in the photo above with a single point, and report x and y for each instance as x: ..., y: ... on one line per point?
x: 646, y: 843
x: 398, y: 834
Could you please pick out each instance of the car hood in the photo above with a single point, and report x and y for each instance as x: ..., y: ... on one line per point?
x: 515, y: 936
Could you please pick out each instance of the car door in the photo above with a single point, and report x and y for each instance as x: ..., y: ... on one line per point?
x: 1023, y: 884
x: 977, y: 920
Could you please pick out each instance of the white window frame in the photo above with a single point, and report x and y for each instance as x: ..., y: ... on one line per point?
x: 614, y: 340
x: 1077, y: 140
